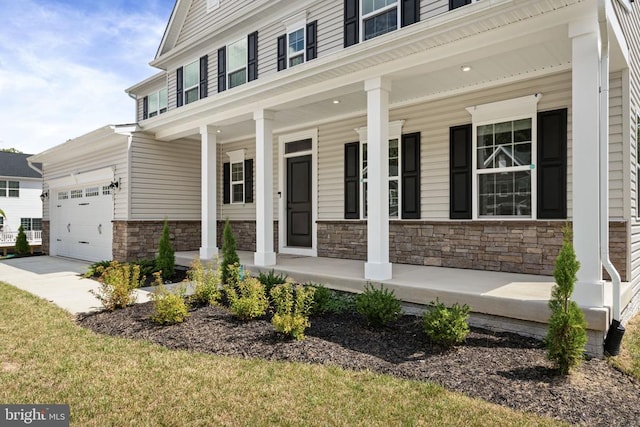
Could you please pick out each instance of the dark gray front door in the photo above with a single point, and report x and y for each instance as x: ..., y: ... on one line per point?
x: 299, y: 205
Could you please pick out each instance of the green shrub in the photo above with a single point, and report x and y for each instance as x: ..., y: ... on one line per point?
x: 93, y: 269
x: 446, y: 326
x: 270, y: 279
x: 147, y: 266
x: 206, y: 281
x: 168, y: 307
x: 378, y: 306
x: 292, y: 304
x: 166, y: 259
x: 326, y: 301
x: 567, y: 331
x: 118, y: 283
x: 229, y: 254
x: 22, y: 245
x: 247, y: 299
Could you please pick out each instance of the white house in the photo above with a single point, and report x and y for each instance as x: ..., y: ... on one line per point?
x: 20, y: 190
x: 451, y: 133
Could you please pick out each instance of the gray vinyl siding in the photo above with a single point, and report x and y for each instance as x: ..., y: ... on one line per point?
x: 616, y: 161
x: 433, y: 120
x: 165, y: 179
x: 198, y: 21
x: 630, y: 23
x: 268, y: 49
x: 114, y: 155
x: 140, y: 109
x: 431, y: 8
x: 330, y: 19
x: 171, y: 89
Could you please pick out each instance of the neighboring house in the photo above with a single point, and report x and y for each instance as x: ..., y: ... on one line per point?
x: 20, y: 190
x: 433, y: 132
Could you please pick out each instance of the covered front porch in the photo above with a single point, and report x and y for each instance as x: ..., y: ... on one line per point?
x: 499, y: 301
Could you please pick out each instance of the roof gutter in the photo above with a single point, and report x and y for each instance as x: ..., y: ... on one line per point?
x: 32, y: 166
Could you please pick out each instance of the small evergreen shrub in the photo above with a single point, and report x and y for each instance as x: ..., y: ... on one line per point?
x: 378, y: 306
x: 93, y: 269
x: 206, y: 281
x: 118, y: 283
x: 22, y: 245
x: 328, y: 301
x: 168, y: 307
x: 147, y: 266
x: 229, y: 254
x: 446, y: 326
x: 292, y: 304
x: 567, y: 331
x: 270, y: 279
x: 166, y: 259
x: 247, y: 299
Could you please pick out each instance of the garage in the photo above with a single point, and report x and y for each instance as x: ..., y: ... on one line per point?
x: 81, y: 222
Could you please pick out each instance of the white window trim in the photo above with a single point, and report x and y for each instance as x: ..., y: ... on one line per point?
x: 160, y: 108
x: 212, y: 5
x: 364, y: 17
x: 185, y: 89
x: 245, y: 66
x: 293, y: 24
x: 395, y: 132
x: 282, y: 194
x: 503, y: 111
x: 236, y: 157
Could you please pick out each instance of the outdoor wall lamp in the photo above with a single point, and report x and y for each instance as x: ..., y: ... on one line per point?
x: 115, y: 184
x: 44, y: 195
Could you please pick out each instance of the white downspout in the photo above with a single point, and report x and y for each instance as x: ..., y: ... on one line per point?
x: 604, y: 159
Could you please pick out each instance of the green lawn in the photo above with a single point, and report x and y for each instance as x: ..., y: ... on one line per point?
x: 46, y: 358
x: 629, y: 358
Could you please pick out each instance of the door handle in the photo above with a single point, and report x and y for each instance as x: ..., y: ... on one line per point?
x: 69, y: 228
x: 99, y: 228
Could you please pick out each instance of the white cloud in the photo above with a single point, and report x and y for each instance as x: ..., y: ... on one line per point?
x: 63, y: 70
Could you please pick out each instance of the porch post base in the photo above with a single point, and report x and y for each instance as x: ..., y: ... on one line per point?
x: 264, y: 259
x: 208, y: 253
x: 377, y: 270
x: 589, y: 294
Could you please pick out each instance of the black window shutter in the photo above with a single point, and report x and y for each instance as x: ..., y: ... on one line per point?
x: 282, y: 52
x: 252, y: 56
x: 145, y: 108
x: 204, y: 77
x: 312, y: 40
x: 352, y: 180
x: 410, y: 12
x: 552, y: 164
x: 222, y: 69
x: 248, y: 181
x: 179, y: 87
x: 411, y: 176
x: 226, y: 183
x: 460, y: 172
x: 351, y: 22
x: 454, y: 4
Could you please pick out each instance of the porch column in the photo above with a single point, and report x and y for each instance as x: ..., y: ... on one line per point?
x: 208, y: 156
x: 378, y: 266
x: 589, y: 290
x: 264, y: 255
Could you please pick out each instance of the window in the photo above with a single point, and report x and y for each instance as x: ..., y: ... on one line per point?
x: 237, y: 186
x: 76, y: 194
x: 454, y: 4
x: 106, y: 190
x: 237, y: 62
x: 1, y: 223
x: 31, y: 224
x: 156, y: 103
x: 299, y: 43
x: 191, y: 82
x: 504, y: 153
x: 237, y: 182
x: 9, y: 188
x: 92, y: 191
x: 379, y: 17
x: 296, y: 47
x: 63, y: 195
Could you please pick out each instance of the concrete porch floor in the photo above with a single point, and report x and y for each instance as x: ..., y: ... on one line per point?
x: 499, y: 301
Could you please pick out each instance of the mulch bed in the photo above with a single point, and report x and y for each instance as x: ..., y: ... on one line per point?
x: 505, y: 369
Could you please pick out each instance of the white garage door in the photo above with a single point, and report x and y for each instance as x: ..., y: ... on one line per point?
x: 81, y: 222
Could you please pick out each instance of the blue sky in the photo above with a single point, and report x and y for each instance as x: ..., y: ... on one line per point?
x: 64, y: 65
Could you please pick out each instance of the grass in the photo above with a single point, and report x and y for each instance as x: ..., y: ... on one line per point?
x: 46, y: 358
x: 629, y: 358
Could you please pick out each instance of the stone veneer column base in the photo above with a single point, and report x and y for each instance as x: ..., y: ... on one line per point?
x: 245, y: 233
x: 135, y: 240
x: 46, y: 232
x: 527, y: 247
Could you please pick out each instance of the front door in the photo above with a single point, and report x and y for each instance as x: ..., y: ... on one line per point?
x: 299, y: 204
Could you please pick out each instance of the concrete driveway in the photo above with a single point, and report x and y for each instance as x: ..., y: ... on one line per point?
x: 58, y: 280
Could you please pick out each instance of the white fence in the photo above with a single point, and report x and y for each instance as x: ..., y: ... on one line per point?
x: 8, y: 238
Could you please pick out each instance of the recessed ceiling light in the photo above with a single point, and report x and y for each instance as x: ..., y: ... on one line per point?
x: 336, y: 101
x: 465, y: 68
x: 218, y: 131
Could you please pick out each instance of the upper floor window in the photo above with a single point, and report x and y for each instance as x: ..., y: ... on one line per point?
x: 9, y: 188
x: 298, y: 44
x: 366, y: 19
x: 154, y: 104
x: 238, y: 62
x: 454, y: 4
x: 296, y: 47
x: 192, y: 81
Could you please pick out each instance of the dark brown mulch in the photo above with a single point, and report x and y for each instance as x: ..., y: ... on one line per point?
x: 505, y: 369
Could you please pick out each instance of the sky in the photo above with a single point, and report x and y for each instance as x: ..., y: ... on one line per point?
x: 64, y: 66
